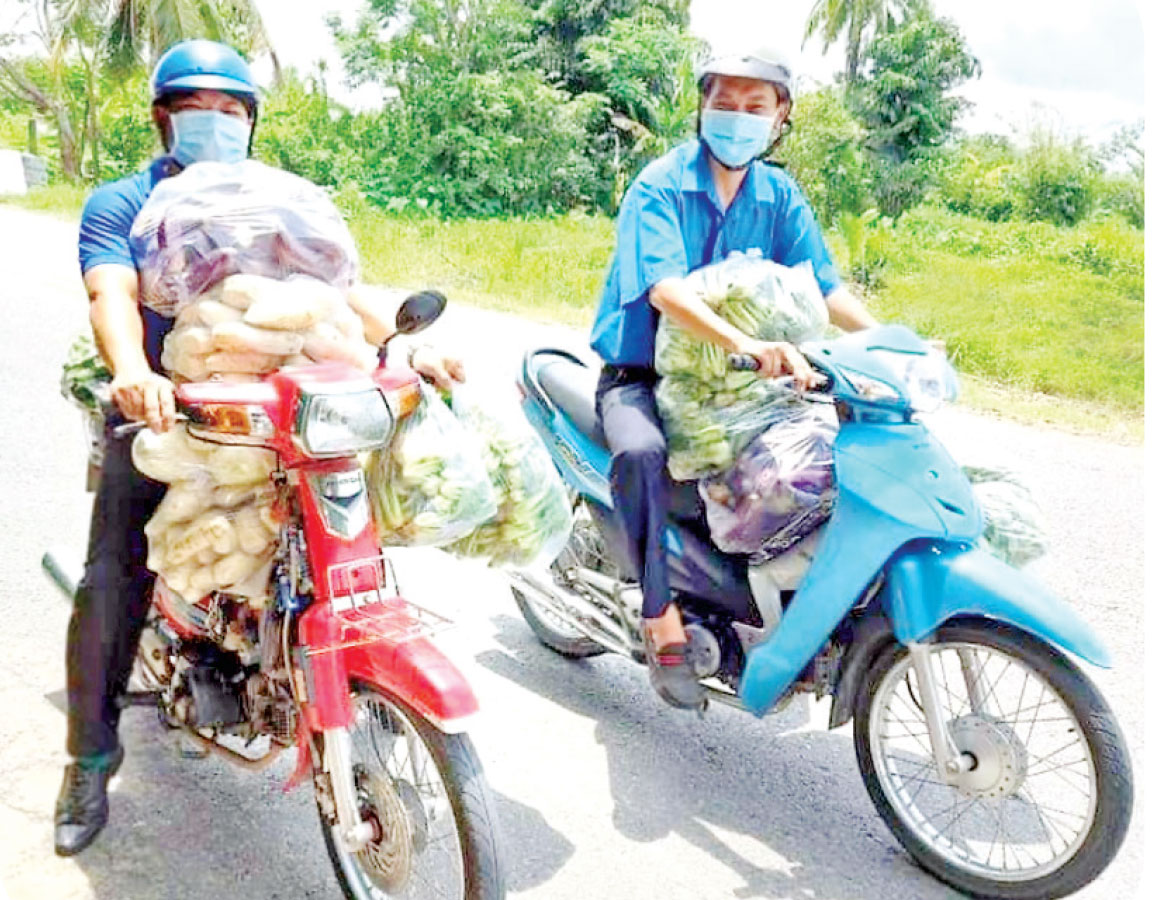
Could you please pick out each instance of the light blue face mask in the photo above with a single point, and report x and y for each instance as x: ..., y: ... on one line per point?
x: 203, y: 135
x: 735, y: 138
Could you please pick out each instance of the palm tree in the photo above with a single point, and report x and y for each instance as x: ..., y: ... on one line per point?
x: 831, y: 18
x: 141, y: 30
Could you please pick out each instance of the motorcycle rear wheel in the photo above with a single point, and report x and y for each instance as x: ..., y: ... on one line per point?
x: 1048, y: 803
x: 427, y: 791
x: 554, y: 633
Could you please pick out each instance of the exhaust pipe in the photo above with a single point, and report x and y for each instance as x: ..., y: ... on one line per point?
x: 606, y: 633
x: 65, y: 577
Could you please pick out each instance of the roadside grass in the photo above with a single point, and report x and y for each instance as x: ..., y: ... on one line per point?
x: 61, y: 200
x: 1046, y: 323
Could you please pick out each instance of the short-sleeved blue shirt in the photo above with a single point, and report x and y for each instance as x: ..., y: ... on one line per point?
x: 105, y: 226
x: 671, y: 222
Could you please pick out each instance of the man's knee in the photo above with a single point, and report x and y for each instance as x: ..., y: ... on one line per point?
x: 636, y: 455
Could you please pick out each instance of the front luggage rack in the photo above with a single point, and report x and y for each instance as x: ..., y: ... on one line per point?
x: 369, y: 609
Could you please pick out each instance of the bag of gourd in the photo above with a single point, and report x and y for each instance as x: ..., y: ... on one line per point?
x: 430, y: 486
x: 219, y: 219
x: 217, y: 526
x: 247, y: 326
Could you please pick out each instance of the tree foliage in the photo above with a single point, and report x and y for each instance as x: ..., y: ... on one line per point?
x: 89, y: 50
x: 857, y: 21
x: 825, y: 153
x: 905, y: 104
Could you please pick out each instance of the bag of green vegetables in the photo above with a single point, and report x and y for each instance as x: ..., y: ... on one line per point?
x: 1014, y: 527
x: 765, y: 300
x: 710, y: 414
x: 430, y: 486
x: 534, y: 516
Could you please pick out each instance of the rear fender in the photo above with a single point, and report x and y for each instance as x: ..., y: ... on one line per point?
x: 928, y: 584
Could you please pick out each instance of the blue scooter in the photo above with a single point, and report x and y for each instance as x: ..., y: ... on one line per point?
x: 989, y: 754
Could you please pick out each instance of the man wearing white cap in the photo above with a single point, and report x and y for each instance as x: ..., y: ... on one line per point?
x: 696, y: 204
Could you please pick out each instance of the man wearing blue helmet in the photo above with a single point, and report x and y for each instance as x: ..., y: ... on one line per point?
x: 204, y: 103
x: 696, y: 204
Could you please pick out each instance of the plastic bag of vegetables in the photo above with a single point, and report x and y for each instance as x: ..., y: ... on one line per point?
x: 218, y: 219
x: 533, y: 518
x: 709, y: 422
x: 1013, y: 526
x: 430, y: 486
x: 762, y: 298
x: 780, y: 489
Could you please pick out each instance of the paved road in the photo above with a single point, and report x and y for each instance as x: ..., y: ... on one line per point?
x: 602, y: 791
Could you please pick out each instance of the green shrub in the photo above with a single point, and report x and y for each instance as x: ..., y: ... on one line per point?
x: 824, y: 153
x: 1056, y: 181
x: 1123, y: 195
x: 975, y: 178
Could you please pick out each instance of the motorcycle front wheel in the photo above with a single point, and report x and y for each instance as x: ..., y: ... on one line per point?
x: 1047, y: 800
x: 425, y: 791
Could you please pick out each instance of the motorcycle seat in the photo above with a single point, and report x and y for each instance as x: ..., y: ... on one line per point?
x: 561, y: 380
x: 570, y: 386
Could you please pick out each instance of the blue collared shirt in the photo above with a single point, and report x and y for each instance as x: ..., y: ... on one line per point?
x: 671, y: 222
x: 105, y: 226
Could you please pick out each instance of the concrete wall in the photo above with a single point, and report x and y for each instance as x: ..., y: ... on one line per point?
x: 20, y: 171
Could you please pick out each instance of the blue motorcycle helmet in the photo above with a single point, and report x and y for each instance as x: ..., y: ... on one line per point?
x: 197, y: 65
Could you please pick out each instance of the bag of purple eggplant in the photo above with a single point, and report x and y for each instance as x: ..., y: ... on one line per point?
x: 780, y: 488
x: 219, y: 219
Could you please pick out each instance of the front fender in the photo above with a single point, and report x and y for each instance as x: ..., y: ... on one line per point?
x: 928, y: 584
x: 420, y: 675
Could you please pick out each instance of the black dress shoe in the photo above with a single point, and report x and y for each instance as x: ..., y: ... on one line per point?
x: 82, y: 807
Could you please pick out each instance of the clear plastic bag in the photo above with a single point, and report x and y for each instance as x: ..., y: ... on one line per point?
x: 708, y: 423
x: 218, y: 219
x: 1013, y: 526
x: 216, y: 526
x: 534, y: 515
x: 780, y: 489
x: 430, y: 486
x: 762, y: 298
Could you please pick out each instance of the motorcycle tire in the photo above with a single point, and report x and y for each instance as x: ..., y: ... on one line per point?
x: 556, y: 637
x: 1002, y: 793
x: 448, y: 793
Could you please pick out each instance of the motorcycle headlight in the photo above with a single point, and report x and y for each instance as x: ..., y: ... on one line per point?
x: 928, y: 378
x: 342, y: 424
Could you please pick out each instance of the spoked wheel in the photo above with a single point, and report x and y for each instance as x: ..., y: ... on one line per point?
x: 552, y: 631
x: 424, y: 793
x: 585, y: 547
x: 1047, y: 799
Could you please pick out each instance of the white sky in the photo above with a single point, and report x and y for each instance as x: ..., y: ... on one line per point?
x: 1075, y: 65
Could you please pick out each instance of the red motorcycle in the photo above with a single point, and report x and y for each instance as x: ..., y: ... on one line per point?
x: 338, y: 663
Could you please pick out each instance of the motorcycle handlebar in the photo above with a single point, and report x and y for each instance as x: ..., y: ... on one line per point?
x: 746, y: 362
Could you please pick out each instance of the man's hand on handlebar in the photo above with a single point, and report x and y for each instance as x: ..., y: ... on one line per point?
x: 779, y: 358
x: 440, y: 369
x: 143, y: 395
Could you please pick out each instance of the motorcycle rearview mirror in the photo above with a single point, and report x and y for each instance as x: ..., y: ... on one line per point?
x: 416, y: 313
x: 419, y: 311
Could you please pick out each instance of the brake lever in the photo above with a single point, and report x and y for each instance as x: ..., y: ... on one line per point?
x: 132, y: 427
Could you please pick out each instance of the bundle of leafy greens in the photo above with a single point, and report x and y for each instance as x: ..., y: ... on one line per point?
x: 533, y: 517
x: 85, y: 377
x: 430, y: 486
x: 710, y: 413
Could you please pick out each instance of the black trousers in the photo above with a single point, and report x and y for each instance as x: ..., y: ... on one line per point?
x: 111, y: 601
x: 626, y: 405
